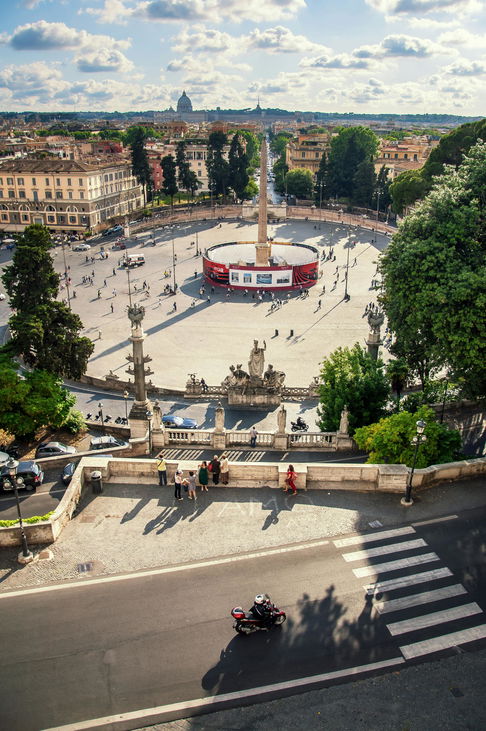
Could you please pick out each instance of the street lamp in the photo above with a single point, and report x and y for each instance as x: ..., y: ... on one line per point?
x: 100, y: 413
x: 125, y: 396
x: 197, y: 243
x: 173, y: 263
x: 346, y: 295
x: 66, y: 277
x: 149, y: 414
x: 12, y: 484
x: 417, y: 440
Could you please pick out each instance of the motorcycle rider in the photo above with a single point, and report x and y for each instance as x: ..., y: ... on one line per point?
x: 262, y: 609
x: 300, y: 422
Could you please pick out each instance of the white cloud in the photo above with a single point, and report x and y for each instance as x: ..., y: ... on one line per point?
x: 400, y: 45
x: 285, y: 83
x: 112, y: 12
x: 44, y: 36
x: 282, y: 40
x: 339, y: 61
x: 206, y: 40
x: 466, y: 68
x: 38, y: 81
x: 462, y: 37
x: 423, y: 7
x: 104, y: 59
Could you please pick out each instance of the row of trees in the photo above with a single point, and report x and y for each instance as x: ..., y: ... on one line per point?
x: 45, y: 334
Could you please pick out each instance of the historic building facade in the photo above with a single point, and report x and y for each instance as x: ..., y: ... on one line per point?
x: 66, y: 195
x: 306, y: 151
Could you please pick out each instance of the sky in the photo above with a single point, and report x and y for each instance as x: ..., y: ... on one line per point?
x: 373, y: 56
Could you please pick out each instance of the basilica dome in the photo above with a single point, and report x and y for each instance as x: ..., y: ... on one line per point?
x: 184, y: 104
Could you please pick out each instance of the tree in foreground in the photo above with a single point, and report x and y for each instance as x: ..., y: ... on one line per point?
x: 169, y: 171
x: 397, y: 372
x: 140, y: 163
x: 351, y: 377
x: 35, y: 399
x: 45, y: 333
x: 350, y: 147
x: 389, y: 441
x: 434, y: 279
x: 238, y: 167
x: 217, y: 166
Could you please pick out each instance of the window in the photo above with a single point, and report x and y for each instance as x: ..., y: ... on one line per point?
x: 70, y: 194
x: 415, y: 156
x: 11, y: 194
x: 72, y: 219
x: 48, y: 194
x: 9, y: 181
x: 303, y: 155
x: 69, y: 182
x: 58, y: 193
x: 1, y: 193
x: 396, y: 155
x: 4, y: 217
x: 61, y: 219
x: 247, y: 278
x: 1, y: 181
x: 58, y: 182
x: 46, y: 179
x: 25, y: 217
x: 235, y: 277
x: 405, y: 157
x: 81, y: 194
x: 21, y: 193
x: 80, y: 181
x: 20, y: 181
x: 51, y: 219
x: 317, y: 155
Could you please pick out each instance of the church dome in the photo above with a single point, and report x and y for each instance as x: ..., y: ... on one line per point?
x: 184, y: 104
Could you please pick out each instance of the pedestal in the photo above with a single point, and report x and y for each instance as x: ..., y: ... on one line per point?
x: 219, y: 440
x: 280, y: 441
x: 253, y: 397
x: 137, y: 419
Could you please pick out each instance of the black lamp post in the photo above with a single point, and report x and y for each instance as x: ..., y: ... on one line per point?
x: 173, y: 263
x: 417, y: 441
x: 197, y: 243
x: 100, y: 413
x: 346, y: 294
x: 125, y: 396
x: 149, y: 414
x: 12, y: 484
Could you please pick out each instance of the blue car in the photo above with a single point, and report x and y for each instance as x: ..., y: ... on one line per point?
x: 178, y: 422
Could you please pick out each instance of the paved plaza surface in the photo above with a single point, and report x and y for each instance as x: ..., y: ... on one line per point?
x: 210, y: 337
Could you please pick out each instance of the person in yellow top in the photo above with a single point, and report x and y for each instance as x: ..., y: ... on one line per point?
x: 162, y: 470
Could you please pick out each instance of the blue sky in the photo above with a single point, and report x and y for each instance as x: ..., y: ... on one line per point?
x: 382, y: 56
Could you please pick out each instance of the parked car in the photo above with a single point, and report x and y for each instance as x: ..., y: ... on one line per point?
x: 107, y: 442
x: 68, y: 472
x: 119, y: 244
x: 29, y: 471
x: 81, y: 247
x: 53, y: 449
x: 178, y: 422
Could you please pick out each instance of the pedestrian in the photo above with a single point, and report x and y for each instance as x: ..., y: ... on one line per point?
x: 253, y: 436
x: 203, y: 476
x: 208, y: 300
x: 99, y: 293
x: 319, y: 305
x: 114, y: 272
x: 174, y: 308
x: 99, y: 334
x: 112, y: 308
x: 290, y: 480
x: 195, y: 275
x: 104, y: 282
x: 224, y: 469
x: 114, y: 293
x: 162, y: 470
x: 92, y: 273
x: 177, y: 484
x: 190, y: 483
x: 215, y: 469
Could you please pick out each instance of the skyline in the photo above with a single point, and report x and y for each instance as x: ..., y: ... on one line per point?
x: 363, y: 56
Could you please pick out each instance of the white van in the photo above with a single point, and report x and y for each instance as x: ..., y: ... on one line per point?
x: 133, y: 260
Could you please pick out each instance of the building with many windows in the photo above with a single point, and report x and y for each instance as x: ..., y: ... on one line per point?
x: 66, y: 195
x: 306, y: 151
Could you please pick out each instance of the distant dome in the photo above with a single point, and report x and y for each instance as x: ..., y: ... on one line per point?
x: 184, y: 104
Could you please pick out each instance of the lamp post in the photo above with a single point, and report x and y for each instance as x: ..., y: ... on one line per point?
x: 417, y: 441
x: 100, y: 413
x: 378, y: 205
x: 149, y: 414
x: 125, y: 396
x: 66, y: 278
x: 197, y: 243
x: 173, y: 264
x: 12, y: 484
x: 347, y: 297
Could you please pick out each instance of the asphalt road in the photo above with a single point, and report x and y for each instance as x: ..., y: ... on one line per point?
x: 40, y: 502
x: 164, y: 639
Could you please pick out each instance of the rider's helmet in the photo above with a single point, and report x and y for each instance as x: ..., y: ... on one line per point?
x: 260, y: 599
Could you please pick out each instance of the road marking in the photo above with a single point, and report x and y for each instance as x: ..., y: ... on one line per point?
x: 165, y: 570
x: 217, y: 700
x: 368, y: 537
x: 436, y: 520
x: 382, y: 550
x: 414, y: 600
x: 403, y: 581
x: 417, y: 649
x: 429, y: 620
x: 381, y: 568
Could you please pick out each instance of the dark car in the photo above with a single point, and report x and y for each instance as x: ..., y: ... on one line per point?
x: 53, y: 449
x: 178, y: 422
x: 68, y: 472
x: 107, y: 442
x: 29, y: 471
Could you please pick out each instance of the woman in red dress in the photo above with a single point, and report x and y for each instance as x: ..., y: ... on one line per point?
x: 290, y: 480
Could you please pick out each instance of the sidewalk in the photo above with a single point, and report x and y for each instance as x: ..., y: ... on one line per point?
x: 131, y: 527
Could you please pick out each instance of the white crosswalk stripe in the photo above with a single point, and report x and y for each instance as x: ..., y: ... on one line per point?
x: 383, y: 550
x: 418, y: 614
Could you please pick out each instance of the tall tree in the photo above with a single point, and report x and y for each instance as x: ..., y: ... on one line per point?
x: 351, y: 377
x: 398, y: 372
x: 44, y: 332
x: 169, y: 171
x: 217, y: 166
x: 381, y: 196
x: 238, y: 166
x: 349, y: 148
x: 364, y: 181
x: 299, y: 182
x: 183, y: 167
x: 140, y: 163
x: 434, y: 278
x: 321, y: 190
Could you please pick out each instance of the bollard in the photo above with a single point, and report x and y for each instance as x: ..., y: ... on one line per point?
x: 276, y: 333
x: 96, y: 482
x: 291, y: 334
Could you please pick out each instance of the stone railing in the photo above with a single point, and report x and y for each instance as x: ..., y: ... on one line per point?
x: 308, y: 440
x: 224, y: 439
x: 189, y: 436
x: 234, y: 438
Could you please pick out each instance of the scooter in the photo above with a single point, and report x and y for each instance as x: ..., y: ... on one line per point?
x: 246, y: 623
x: 299, y: 425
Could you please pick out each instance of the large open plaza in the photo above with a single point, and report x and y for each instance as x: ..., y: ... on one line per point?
x: 204, y: 332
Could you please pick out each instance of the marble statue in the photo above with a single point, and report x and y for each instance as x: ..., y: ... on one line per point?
x: 344, y: 423
x: 273, y: 379
x: 257, y: 360
x: 281, y: 419
x: 375, y: 321
x: 136, y: 313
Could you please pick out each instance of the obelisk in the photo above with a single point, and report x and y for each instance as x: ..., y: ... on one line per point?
x: 263, y: 248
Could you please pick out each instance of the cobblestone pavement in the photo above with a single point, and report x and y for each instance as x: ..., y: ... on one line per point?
x: 131, y: 527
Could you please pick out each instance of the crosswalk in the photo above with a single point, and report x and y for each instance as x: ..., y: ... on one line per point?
x: 235, y: 455
x: 426, y: 610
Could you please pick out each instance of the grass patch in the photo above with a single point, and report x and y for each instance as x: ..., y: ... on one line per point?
x: 34, y: 519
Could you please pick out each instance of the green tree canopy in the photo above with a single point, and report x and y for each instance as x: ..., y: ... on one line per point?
x: 364, y: 182
x: 140, y: 163
x: 321, y: 189
x: 44, y: 332
x: 300, y: 183
x: 217, y: 166
x: 398, y: 372
x: 434, y: 278
x: 35, y: 399
x: 184, y: 177
x: 351, y: 377
x: 350, y: 147
x: 389, y: 441
x: 169, y: 171
x: 238, y: 166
